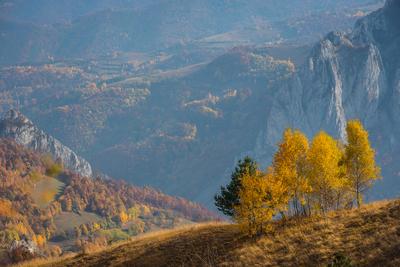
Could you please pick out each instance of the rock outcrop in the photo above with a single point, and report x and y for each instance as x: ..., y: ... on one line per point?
x: 16, y: 126
x: 347, y: 76
x: 22, y: 250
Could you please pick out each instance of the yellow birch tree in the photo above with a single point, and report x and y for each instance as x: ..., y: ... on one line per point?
x: 324, y: 172
x: 259, y: 201
x: 359, y: 160
x: 289, y: 168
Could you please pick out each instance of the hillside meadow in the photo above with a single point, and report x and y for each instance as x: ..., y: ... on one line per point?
x: 369, y: 236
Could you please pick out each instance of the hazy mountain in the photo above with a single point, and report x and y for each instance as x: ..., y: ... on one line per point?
x: 178, y: 120
x: 189, y: 123
x: 49, y: 29
x: 53, y: 11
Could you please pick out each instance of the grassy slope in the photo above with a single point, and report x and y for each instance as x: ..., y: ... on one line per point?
x: 46, y: 190
x: 369, y: 236
x: 66, y: 221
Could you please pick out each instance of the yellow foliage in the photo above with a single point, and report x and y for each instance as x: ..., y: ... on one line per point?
x: 289, y: 167
x: 6, y: 209
x: 259, y: 200
x: 47, y: 196
x: 305, y: 179
x: 277, y: 190
x: 359, y: 159
x: 40, y: 240
x: 324, y: 172
x: 53, y: 169
x: 35, y: 176
x: 123, y: 217
x: 96, y: 226
x: 21, y: 229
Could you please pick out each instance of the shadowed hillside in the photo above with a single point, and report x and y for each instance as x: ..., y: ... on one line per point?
x: 369, y: 236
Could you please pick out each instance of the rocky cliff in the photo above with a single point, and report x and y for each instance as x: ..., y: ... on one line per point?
x: 16, y: 126
x: 347, y: 76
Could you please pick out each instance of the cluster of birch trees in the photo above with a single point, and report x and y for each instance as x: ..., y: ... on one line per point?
x: 305, y: 178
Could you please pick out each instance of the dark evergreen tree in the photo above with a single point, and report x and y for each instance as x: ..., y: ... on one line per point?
x: 229, y: 196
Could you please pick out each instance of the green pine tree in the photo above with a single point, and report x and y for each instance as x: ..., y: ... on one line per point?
x: 229, y: 196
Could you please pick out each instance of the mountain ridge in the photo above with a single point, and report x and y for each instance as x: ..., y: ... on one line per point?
x: 91, y: 29
x: 16, y: 126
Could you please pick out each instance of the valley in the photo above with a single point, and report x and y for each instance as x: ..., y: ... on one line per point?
x: 121, y: 122
x: 193, y: 111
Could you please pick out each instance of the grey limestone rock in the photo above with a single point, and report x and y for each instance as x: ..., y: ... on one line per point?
x: 16, y: 126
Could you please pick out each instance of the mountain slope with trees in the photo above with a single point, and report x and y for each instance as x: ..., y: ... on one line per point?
x: 72, y: 212
x: 194, y: 119
x: 297, y: 213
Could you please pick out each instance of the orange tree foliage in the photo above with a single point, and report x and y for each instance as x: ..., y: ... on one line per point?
x: 93, y: 195
x: 19, y: 214
x: 123, y: 217
x: 6, y: 209
x: 21, y: 168
x: 39, y: 240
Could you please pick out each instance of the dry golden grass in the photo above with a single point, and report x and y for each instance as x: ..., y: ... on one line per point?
x: 369, y: 236
x: 43, y: 261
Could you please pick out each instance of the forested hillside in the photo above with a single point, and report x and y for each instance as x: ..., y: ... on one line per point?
x: 60, y: 211
x: 180, y: 117
x: 123, y: 117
